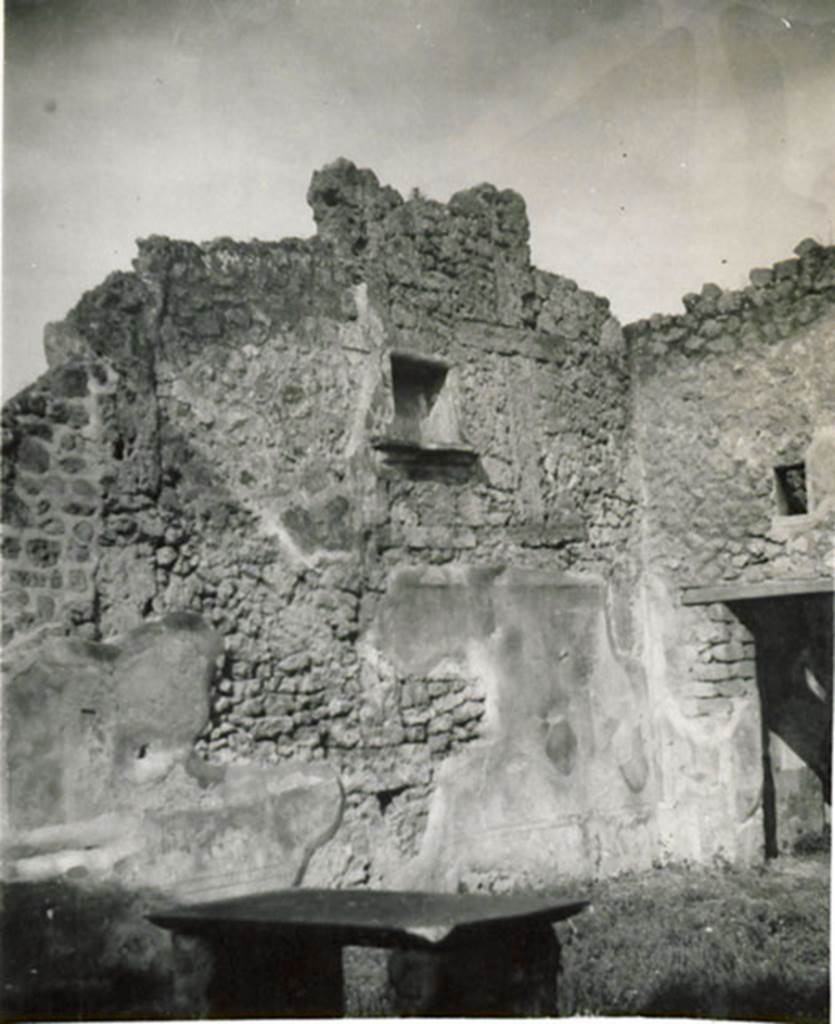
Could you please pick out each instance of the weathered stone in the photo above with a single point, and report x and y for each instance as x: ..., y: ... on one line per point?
x: 80, y: 506
x: 347, y: 205
x: 83, y: 488
x: 63, y: 343
x: 43, y: 553
x: 83, y: 532
x: 77, y: 580
x: 272, y: 727
x: 32, y: 456
x: 69, y: 381
x: 786, y: 269
x: 165, y: 556
x: 10, y: 547
x: 326, y: 525
x: 439, y: 537
x: 710, y: 328
x: 808, y: 247
x: 761, y: 277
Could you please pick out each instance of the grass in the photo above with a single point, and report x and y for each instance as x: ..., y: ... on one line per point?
x: 726, y: 943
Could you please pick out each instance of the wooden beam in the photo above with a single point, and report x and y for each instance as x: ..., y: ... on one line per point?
x: 726, y: 592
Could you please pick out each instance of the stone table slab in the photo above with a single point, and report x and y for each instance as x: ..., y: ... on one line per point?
x: 278, y: 954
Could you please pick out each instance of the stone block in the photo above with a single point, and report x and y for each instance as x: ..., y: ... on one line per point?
x: 710, y: 328
x: 716, y: 671
x: 10, y: 546
x: 761, y: 277
x: 786, y: 269
x: 165, y: 557
x: 808, y: 247
x: 438, y: 537
x: 729, y: 302
x: 32, y: 456
x: 448, y: 703
x: 78, y: 506
x: 77, y: 580
x: 42, y: 552
x: 722, y: 345
x: 553, y: 534
x: 416, y: 716
x: 732, y: 651
x: 467, y: 712
x: 439, y: 723
x: 69, y: 381
x: 53, y: 526
x: 63, y: 343
x: 439, y: 743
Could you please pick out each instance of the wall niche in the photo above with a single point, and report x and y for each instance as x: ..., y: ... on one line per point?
x: 791, y: 491
x: 425, y: 430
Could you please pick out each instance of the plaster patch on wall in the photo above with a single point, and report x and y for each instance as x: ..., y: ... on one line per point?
x: 136, y: 800
x: 539, y: 648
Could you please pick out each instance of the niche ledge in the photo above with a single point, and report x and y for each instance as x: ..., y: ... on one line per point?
x: 398, y: 450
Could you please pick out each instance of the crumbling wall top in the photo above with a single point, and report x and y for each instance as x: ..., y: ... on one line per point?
x: 349, y: 205
x: 779, y: 301
x: 358, y: 216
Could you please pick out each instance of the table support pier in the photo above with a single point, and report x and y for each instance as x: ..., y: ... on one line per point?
x: 500, y: 972
x: 249, y: 974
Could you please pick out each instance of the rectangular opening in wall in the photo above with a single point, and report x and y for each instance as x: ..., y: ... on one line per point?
x: 424, y: 435
x: 417, y: 383
x: 791, y: 489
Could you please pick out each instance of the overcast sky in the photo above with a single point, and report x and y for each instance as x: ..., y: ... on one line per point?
x: 658, y: 143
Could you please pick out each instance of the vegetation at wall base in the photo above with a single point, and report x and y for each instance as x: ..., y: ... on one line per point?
x: 724, y: 944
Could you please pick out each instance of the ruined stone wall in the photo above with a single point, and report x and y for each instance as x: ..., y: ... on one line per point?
x: 54, y: 474
x: 742, y: 383
x: 328, y: 448
x: 737, y: 386
x: 82, y: 471
x: 243, y: 469
x: 440, y: 512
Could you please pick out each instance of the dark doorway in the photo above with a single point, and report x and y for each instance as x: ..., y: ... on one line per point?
x: 793, y: 637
